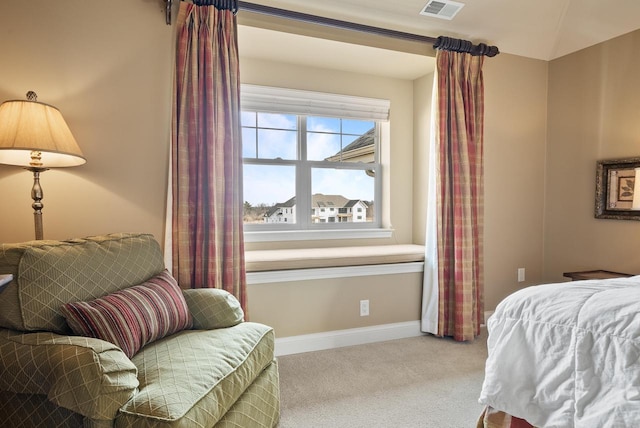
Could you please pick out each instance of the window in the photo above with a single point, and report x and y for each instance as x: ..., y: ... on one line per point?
x: 321, y: 161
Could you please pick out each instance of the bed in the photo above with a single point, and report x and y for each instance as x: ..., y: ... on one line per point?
x: 565, y: 355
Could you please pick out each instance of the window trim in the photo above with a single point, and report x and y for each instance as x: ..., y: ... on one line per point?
x: 271, y: 99
x: 309, y: 103
x: 315, y: 235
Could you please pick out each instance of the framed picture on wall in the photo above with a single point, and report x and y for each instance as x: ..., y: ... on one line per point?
x: 615, y: 189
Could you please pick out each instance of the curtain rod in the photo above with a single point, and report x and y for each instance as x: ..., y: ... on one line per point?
x: 445, y: 43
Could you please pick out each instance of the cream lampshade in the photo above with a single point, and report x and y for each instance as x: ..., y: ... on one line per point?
x: 35, y: 136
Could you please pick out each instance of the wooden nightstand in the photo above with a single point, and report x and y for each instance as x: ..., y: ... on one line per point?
x: 595, y: 274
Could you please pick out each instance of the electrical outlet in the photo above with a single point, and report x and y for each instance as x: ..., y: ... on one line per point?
x: 364, y: 308
x: 520, y: 274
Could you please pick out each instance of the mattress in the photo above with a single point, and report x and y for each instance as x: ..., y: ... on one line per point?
x: 567, y: 354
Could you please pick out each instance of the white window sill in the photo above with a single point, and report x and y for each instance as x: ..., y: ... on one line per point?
x: 265, y: 266
x: 280, y: 276
x: 313, y: 235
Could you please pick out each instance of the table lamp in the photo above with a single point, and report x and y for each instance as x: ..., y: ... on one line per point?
x: 35, y: 136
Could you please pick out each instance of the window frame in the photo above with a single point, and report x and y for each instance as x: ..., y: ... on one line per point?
x: 303, y: 188
x: 269, y: 99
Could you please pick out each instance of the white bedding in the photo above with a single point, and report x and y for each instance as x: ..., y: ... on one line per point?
x: 567, y: 355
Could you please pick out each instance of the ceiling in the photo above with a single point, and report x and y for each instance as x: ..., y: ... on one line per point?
x: 544, y: 29
x: 541, y: 29
x: 321, y: 53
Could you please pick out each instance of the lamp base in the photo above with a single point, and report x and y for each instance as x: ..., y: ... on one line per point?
x: 37, y: 195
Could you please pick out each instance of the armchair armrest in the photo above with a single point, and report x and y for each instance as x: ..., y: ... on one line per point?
x: 213, y: 308
x: 88, y: 376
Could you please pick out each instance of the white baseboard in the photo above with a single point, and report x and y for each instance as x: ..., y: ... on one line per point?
x: 340, y: 338
x: 487, y: 314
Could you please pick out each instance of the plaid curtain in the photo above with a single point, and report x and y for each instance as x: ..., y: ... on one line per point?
x: 207, y: 239
x: 459, y: 193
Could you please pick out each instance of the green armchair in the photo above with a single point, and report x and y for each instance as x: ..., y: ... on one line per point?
x: 220, y: 372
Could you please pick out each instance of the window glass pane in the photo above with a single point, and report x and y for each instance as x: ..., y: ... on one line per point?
x: 249, y: 143
x: 273, y: 144
x: 277, y: 121
x: 360, y: 148
x: 321, y: 146
x: 248, y: 118
x: 340, y: 140
x: 348, y: 139
x: 342, y: 195
x: 323, y: 124
x: 269, y: 193
x: 357, y: 127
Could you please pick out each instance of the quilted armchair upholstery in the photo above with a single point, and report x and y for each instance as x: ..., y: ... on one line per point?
x: 89, y: 376
x: 221, y: 372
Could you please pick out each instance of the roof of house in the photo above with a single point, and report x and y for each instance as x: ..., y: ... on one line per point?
x: 353, y: 202
x: 318, y: 200
x: 288, y: 204
x: 328, y: 201
x: 365, y: 140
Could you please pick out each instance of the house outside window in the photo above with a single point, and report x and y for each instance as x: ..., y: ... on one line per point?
x: 325, y: 165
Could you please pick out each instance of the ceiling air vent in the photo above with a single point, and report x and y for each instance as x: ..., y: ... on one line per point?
x: 443, y: 9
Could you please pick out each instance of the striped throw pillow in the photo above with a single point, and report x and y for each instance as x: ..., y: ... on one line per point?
x: 133, y: 317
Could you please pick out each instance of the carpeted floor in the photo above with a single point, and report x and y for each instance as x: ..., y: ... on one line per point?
x: 421, y: 382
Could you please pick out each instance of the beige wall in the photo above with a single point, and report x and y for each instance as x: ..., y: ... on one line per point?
x: 305, y: 307
x: 514, y: 144
x: 422, y: 99
x: 107, y: 66
x: 594, y: 111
